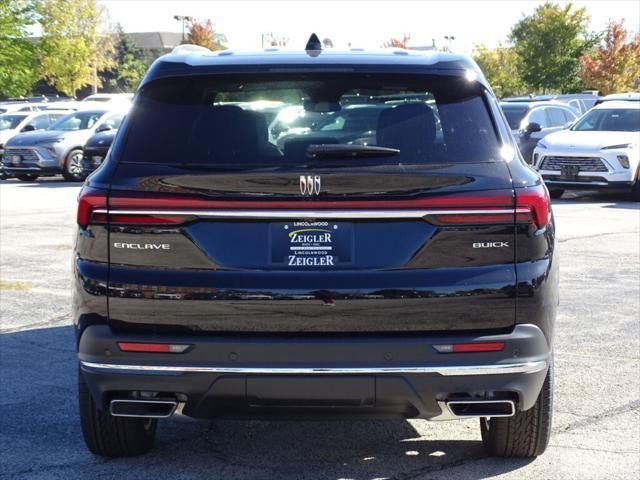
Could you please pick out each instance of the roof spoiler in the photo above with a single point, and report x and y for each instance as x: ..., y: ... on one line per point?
x: 188, y: 48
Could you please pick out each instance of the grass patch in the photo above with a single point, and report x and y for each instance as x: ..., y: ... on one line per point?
x: 6, y: 285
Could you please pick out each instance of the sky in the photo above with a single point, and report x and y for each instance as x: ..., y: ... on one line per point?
x: 357, y: 23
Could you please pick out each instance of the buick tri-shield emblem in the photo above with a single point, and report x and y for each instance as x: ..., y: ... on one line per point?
x: 310, y: 184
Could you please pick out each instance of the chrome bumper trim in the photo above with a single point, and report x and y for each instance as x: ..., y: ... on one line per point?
x: 568, y: 182
x: 448, y: 414
x: 444, y: 370
x: 173, y: 404
x: 313, y: 213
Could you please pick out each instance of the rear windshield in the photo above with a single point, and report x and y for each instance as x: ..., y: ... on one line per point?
x: 514, y: 115
x: 276, y: 120
x: 610, y: 120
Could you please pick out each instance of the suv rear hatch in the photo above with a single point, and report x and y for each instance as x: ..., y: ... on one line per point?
x: 215, y: 225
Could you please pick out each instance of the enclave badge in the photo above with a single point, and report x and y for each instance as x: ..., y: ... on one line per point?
x: 310, y: 184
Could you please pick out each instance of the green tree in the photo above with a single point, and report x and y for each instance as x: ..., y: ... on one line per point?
x: 129, y: 67
x: 275, y: 41
x: 549, y: 44
x: 615, y: 65
x: 18, y: 63
x: 76, y: 44
x: 500, y: 68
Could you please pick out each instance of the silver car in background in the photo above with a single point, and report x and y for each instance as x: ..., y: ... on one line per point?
x: 12, y: 124
x: 58, y: 149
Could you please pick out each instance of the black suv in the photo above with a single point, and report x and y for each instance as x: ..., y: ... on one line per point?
x: 412, y: 276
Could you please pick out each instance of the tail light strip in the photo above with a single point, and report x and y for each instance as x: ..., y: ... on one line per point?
x: 532, y: 206
x: 169, y: 215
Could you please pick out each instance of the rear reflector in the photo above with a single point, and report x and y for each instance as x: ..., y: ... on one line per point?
x: 470, y: 347
x: 152, y: 347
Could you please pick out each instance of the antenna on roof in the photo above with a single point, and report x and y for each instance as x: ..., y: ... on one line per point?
x: 313, y: 43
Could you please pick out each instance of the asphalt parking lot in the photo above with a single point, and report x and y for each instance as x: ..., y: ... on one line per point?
x: 596, y: 433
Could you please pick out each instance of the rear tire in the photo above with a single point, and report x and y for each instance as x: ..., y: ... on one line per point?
x: 111, y: 436
x: 527, y: 433
x: 73, y: 170
x: 555, y: 193
x: 635, y: 191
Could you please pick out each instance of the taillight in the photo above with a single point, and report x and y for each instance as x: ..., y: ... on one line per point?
x: 470, y: 347
x: 536, y: 201
x: 89, y: 200
x: 532, y: 206
x: 473, y: 208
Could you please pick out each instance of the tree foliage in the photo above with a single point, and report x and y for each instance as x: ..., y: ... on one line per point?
x: 201, y: 33
x: 398, y: 42
x: 614, y: 66
x: 129, y: 67
x: 500, y: 68
x: 75, y: 44
x: 18, y: 64
x: 273, y: 40
x: 549, y: 44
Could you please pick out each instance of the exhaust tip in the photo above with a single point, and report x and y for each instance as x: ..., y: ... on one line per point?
x: 481, y: 408
x: 142, y: 408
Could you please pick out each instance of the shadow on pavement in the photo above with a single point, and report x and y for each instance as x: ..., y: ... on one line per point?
x: 579, y: 197
x: 40, y: 435
x: 53, y: 182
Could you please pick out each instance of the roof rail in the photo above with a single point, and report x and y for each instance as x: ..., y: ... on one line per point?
x: 189, y: 48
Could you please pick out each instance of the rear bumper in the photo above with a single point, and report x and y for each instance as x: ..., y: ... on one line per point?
x: 31, y: 170
x: 377, y: 376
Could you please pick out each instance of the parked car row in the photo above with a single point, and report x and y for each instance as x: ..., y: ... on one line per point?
x: 32, y: 104
x: 599, y: 151
x: 576, y: 148
x: 581, y: 102
x: 55, y: 145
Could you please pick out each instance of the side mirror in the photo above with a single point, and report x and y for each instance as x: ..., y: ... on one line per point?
x: 103, y: 128
x: 532, y: 128
x: 28, y: 128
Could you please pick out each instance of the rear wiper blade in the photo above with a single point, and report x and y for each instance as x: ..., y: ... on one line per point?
x: 330, y: 150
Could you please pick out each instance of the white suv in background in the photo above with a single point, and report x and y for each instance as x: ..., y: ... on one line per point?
x: 599, y: 152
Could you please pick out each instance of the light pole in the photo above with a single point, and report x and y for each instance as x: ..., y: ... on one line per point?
x: 263, y: 36
x: 184, y: 19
